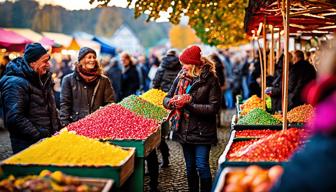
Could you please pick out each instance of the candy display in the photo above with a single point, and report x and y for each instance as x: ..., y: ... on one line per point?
x: 154, y: 96
x: 276, y: 147
x: 236, y: 146
x: 68, y: 148
x: 254, y: 133
x: 278, y: 117
x: 114, y: 122
x: 250, y: 104
x: 253, y: 179
x: 47, y: 182
x: 300, y: 114
x: 143, y: 108
x: 258, y: 117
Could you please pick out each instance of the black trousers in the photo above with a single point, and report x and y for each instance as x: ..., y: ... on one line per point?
x: 164, y: 150
x: 153, y: 169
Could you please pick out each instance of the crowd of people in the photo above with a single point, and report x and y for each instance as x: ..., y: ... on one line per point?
x: 39, y: 97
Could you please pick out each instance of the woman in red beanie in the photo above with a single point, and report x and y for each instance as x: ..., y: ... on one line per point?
x: 194, y: 99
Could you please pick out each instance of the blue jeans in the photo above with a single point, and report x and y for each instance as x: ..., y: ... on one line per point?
x: 246, y: 91
x: 229, y: 99
x: 197, y: 163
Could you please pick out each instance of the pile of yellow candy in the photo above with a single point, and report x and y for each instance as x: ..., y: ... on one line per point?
x: 300, y: 114
x: 250, y: 104
x: 70, y: 149
x: 154, y: 96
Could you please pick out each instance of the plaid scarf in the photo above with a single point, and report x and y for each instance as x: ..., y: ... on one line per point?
x: 175, y: 115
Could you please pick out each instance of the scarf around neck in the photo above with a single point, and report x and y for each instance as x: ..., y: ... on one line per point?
x: 88, y: 75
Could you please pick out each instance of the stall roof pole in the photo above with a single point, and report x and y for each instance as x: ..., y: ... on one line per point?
x: 271, y: 70
x: 252, y: 43
x: 286, y: 66
x: 264, y: 64
x: 279, y: 47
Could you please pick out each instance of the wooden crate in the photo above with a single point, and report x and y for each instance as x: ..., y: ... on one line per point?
x: 143, y: 147
x: 118, y: 173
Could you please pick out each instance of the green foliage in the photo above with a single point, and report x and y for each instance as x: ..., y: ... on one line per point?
x: 219, y: 22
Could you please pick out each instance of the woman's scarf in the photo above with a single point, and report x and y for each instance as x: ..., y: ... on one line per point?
x: 88, y: 75
x: 175, y: 115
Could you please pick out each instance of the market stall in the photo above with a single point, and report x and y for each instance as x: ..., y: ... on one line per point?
x: 257, y: 137
x: 134, y: 122
x: 87, y: 147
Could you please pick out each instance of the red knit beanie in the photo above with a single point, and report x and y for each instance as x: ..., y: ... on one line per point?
x: 191, y: 56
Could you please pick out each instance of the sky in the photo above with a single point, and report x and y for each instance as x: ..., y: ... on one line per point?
x: 84, y: 4
x: 81, y: 4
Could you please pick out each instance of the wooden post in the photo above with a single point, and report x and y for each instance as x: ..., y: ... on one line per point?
x: 286, y: 66
x: 260, y: 60
x: 279, y: 46
x: 264, y: 64
x: 252, y: 42
x: 271, y: 71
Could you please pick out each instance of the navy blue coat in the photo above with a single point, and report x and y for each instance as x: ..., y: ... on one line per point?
x: 311, y: 169
x: 28, y: 104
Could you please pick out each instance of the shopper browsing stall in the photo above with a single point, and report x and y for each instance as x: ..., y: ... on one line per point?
x: 84, y: 90
x: 300, y: 74
x: 195, y: 100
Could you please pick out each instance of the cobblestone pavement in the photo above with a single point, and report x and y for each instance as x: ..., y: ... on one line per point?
x: 174, y: 177
x: 5, y: 148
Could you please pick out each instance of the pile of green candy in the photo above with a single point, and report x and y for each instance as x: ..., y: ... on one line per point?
x: 258, y: 117
x: 143, y: 108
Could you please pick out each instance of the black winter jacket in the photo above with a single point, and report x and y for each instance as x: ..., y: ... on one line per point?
x: 28, y: 104
x: 167, y: 73
x: 277, y: 87
x: 130, y: 81
x: 300, y: 75
x: 78, y: 99
x: 200, y: 127
x: 114, y: 73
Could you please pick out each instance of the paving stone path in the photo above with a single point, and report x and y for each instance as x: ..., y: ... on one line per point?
x: 174, y: 177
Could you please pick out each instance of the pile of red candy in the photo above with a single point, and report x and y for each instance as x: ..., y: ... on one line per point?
x: 276, y: 147
x: 254, y: 133
x: 114, y: 122
x: 236, y: 146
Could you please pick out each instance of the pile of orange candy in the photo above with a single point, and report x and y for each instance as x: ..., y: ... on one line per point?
x: 253, y: 178
x: 250, y: 104
x: 300, y: 114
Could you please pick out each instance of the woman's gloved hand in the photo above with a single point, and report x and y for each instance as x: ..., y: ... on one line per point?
x: 179, y: 101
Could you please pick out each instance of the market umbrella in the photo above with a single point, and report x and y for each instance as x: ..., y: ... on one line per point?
x: 12, y: 41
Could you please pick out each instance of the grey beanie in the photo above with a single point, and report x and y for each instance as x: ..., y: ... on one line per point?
x: 84, y: 51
